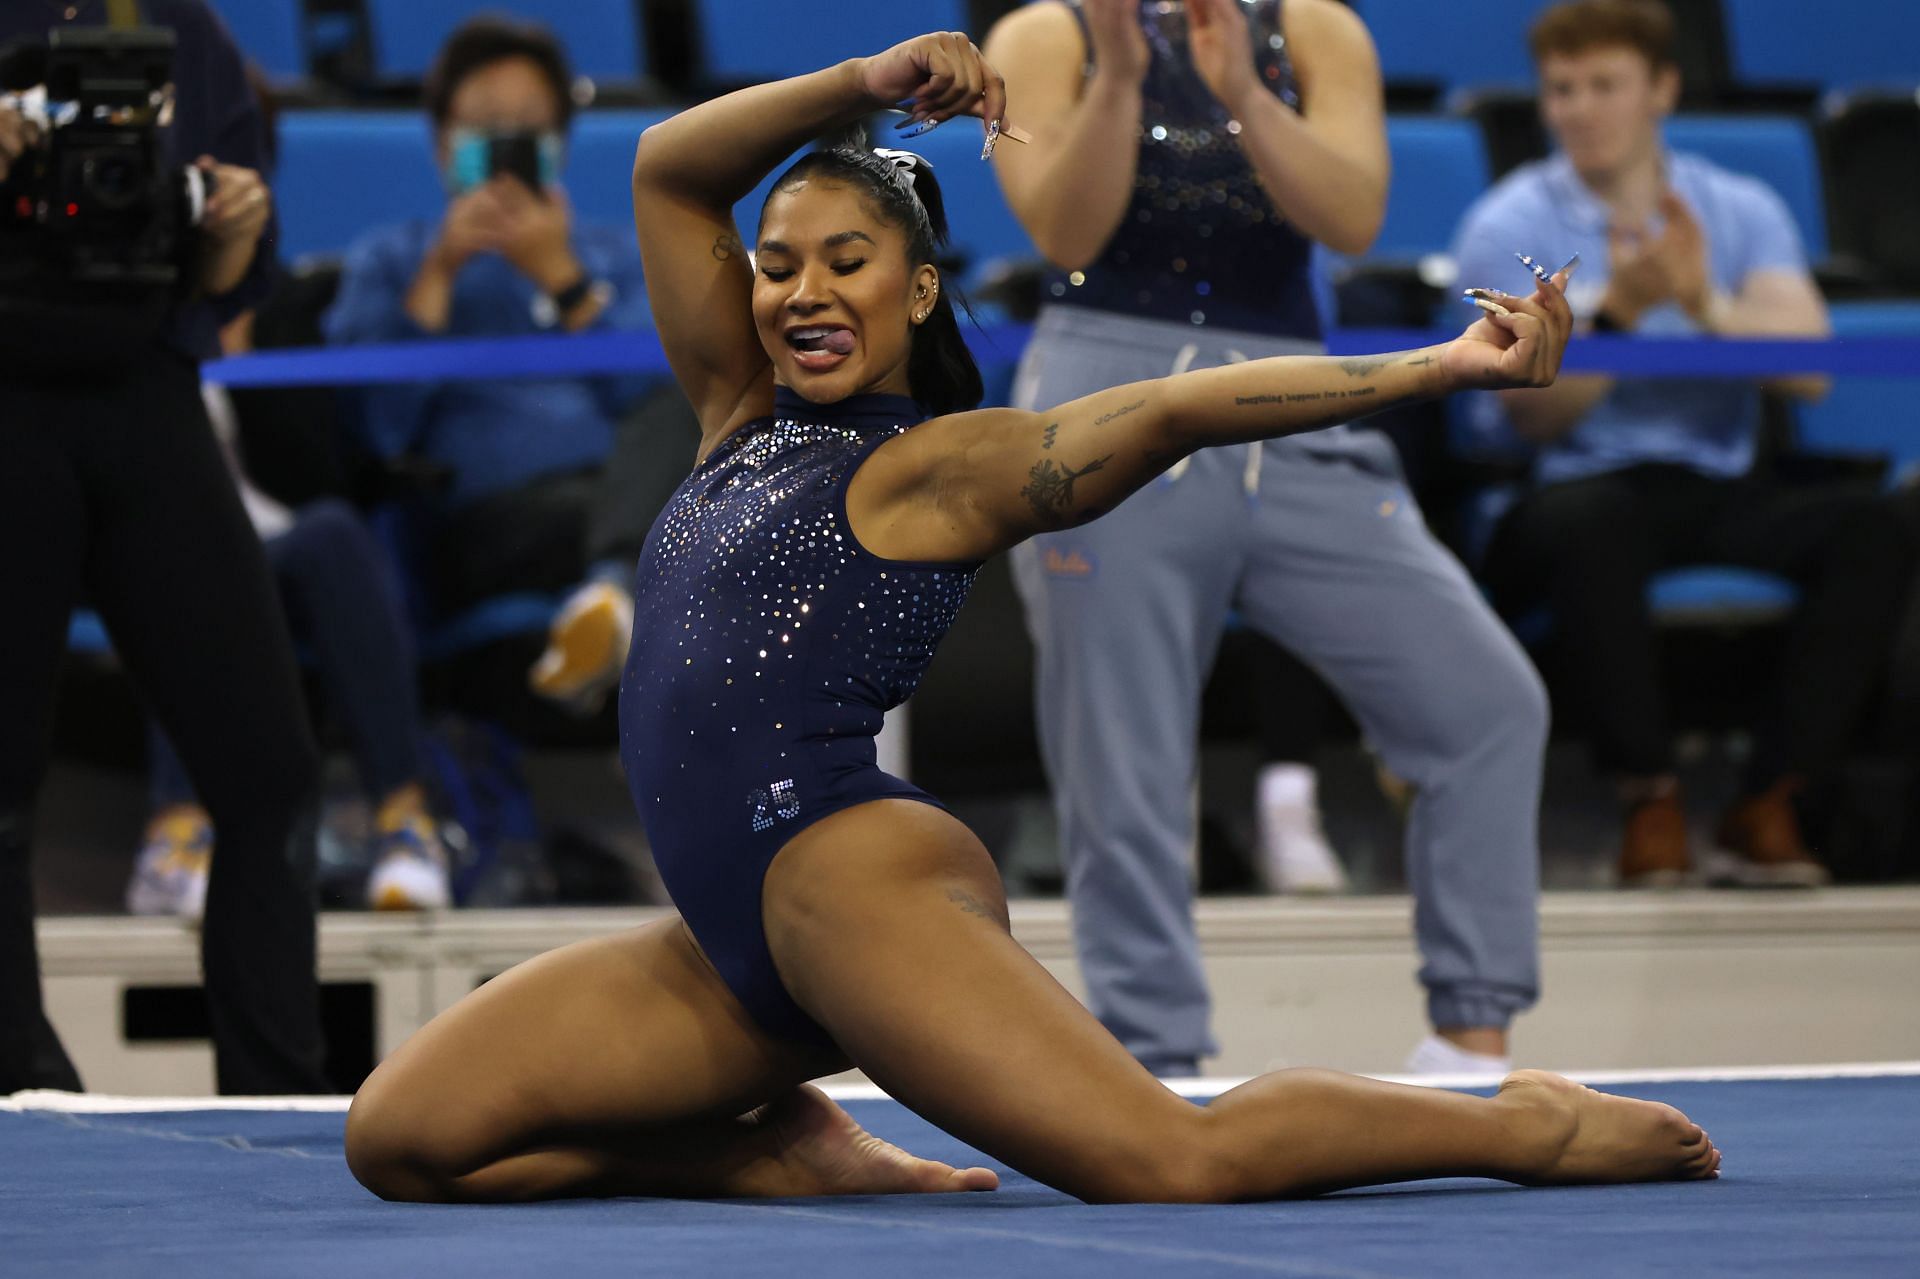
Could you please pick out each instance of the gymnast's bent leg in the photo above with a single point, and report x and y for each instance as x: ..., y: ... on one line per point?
x: 887, y: 925
x: 620, y: 1065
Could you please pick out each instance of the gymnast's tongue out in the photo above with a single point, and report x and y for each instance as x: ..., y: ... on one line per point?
x: 820, y: 346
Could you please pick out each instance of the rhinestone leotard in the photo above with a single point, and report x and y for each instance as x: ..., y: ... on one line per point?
x: 1200, y: 243
x: 767, y: 645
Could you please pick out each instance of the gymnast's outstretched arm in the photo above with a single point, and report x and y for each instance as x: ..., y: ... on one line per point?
x: 690, y: 170
x: 966, y: 486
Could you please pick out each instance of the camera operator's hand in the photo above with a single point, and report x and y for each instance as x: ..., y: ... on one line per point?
x: 536, y: 235
x: 17, y: 133
x: 235, y: 217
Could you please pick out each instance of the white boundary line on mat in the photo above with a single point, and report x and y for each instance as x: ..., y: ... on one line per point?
x: 100, y: 1104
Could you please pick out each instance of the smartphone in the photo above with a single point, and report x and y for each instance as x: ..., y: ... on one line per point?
x: 516, y: 155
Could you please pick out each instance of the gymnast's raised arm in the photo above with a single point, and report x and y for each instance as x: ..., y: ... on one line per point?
x: 689, y: 171
x: 971, y: 484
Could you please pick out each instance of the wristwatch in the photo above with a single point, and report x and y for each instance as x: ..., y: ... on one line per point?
x: 574, y: 294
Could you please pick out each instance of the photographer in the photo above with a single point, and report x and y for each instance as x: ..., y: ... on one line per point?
x: 113, y: 491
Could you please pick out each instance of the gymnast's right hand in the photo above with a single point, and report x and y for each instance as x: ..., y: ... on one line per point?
x: 936, y: 77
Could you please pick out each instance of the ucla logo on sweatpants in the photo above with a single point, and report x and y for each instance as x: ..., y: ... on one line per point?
x: 767, y: 803
x: 1069, y: 562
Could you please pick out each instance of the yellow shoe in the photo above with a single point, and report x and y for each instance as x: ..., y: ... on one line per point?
x: 586, y: 647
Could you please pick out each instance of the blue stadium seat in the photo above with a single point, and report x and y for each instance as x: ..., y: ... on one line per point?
x: 1833, y: 44
x: 270, y: 33
x: 1439, y: 168
x: 1868, y: 415
x: 603, y: 38
x: 746, y: 41
x: 344, y: 172
x: 1778, y: 150
x: 1466, y: 43
x: 599, y: 172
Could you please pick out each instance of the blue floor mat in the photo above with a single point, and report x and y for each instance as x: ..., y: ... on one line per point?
x: 1822, y: 1178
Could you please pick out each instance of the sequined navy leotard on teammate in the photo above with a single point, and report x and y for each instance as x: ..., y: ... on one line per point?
x: 767, y: 645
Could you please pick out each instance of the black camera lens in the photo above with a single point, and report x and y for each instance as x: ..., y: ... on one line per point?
x: 113, y: 181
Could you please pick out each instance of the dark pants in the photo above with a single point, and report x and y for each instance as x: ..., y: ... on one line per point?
x: 1587, y: 548
x: 117, y: 488
x: 342, y: 602
x: 545, y: 535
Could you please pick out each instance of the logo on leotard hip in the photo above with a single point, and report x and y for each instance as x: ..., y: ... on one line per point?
x: 770, y: 802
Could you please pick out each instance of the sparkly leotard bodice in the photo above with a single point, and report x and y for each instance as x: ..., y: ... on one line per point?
x: 767, y: 646
x: 1200, y: 242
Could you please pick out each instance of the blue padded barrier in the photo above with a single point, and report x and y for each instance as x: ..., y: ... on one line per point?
x: 1472, y: 43
x: 1865, y: 414
x: 270, y: 33
x: 603, y: 38
x: 343, y: 173
x: 1832, y: 44
x: 581, y: 354
x: 1439, y: 169
x: 746, y: 41
x: 1778, y: 150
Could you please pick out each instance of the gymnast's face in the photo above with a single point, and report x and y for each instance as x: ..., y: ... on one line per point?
x: 835, y: 300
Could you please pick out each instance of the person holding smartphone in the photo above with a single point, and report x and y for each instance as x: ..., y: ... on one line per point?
x: 528, y: 508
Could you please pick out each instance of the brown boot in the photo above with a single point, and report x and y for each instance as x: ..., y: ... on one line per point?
x: 1653, y: 847
x: 1761, y: 846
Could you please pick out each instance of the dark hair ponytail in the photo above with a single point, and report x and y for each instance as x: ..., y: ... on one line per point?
x: 940, y: 368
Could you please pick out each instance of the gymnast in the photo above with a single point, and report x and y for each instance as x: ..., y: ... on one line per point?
x: 832, y: 916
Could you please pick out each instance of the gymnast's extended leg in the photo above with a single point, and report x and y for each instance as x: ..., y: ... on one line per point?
x: 615, y: 1066
x: 888, y: 926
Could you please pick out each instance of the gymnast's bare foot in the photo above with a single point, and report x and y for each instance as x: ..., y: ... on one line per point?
x: 827, y: 1153
x: 1594, y: 1137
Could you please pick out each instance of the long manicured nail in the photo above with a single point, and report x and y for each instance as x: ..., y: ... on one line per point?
x: 1539, y: 272
x: 1490, y: 306
x: 918, y: 128
x: 1573, y: 264
x: 993, y: 136
x: 1485, y: 293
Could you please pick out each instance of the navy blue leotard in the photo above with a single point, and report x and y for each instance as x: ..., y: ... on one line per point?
x: 767, y: 645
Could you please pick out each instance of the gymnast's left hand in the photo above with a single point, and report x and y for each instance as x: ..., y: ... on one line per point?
x: 936, y: 77
x: 1517, y: 341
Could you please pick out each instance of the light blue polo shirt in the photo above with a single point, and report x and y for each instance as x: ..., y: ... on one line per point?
x: 1544, y: 209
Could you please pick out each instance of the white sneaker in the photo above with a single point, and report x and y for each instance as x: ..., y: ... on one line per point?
x: 1295, y: 856
x: 1437, y: 1056
x: 170, y: 875
x: 410, y: 870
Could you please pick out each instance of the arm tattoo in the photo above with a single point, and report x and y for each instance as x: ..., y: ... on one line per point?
x: 1305, y: 397
x: 728, y: 247
x: 1050, y: 488
x: 1105, y: 418
x: 1364, y: 365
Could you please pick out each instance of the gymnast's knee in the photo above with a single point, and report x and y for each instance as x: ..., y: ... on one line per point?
x: 394, y: 1152
x: 1185, y: 1164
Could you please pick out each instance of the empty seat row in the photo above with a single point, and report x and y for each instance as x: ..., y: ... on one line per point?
x: 1760, y: 44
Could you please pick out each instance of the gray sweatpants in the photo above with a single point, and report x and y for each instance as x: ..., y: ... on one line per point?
x: 1317, y: 542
